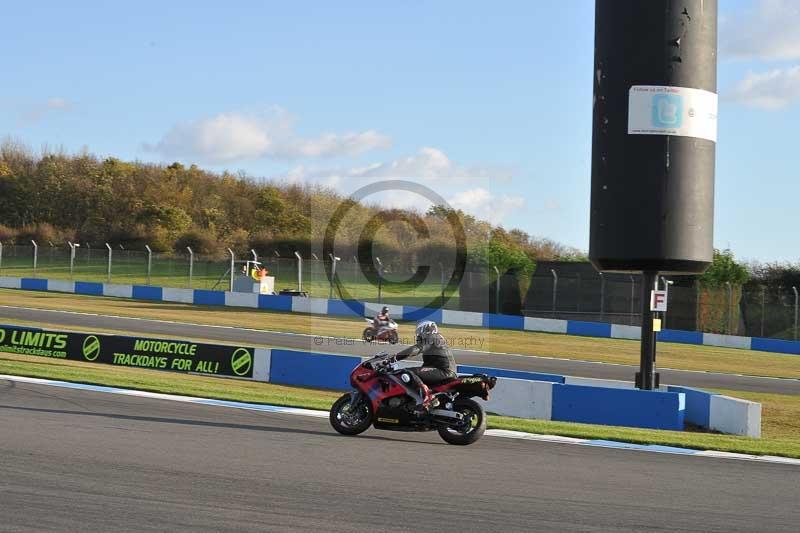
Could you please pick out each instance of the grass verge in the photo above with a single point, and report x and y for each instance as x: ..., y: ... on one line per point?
x: 780, y: 415
x: 670, y: 355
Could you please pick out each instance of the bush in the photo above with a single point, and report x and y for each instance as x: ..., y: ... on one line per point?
x: 202, y: 242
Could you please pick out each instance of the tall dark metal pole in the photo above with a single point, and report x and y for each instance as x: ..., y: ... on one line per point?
x: 645, y: 379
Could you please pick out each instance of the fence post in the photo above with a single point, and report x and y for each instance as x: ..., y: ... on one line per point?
x: 763, y: 306
x: 555, y: 289
x: 496, y: 290
x: 633, y: 295
x: 233, y: 266
x: 730, y: 306
x: 441, y: 281
x: 602, y: 294
x: 299, y: 271
x: 255, y: 255
x: 795, y: 312
x: 1, y: 256
x: 88, y: 253
x: 334, y: 260
x: 191, y: 265
x: 380, y: 278
x: 149, y: 262
x: 35, y: 256
x: 109, y: 262
x: 71, y: 258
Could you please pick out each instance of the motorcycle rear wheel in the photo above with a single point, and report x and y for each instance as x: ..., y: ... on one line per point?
x: 393, y: 337
x: 348, y: 423
x: 368, y: 335
x: 473, y: 427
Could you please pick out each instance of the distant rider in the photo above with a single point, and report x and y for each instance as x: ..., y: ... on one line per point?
x: 438, y: 363
x: 382, y: 319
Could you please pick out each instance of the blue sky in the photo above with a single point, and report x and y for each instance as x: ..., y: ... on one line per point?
x: 487, y: 103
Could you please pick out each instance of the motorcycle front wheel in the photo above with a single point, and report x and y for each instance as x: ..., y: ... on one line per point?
x: 470, y: 429
x: 349, y: 421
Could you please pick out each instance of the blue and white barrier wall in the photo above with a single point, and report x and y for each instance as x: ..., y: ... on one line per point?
x: 323, y: 306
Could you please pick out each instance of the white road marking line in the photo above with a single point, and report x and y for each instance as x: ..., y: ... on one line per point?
x: 501, y: 433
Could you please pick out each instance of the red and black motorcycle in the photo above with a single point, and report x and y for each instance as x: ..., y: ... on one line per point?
x: 385, y: 396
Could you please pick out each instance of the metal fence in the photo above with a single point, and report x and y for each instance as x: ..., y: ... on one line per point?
x: 312, y: 275
x: 750, y: 311
x: 754, y: 311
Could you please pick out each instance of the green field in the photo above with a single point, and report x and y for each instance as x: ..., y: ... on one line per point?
x: 780, y: 416
x: 131, y: 268
x: 670, y: 355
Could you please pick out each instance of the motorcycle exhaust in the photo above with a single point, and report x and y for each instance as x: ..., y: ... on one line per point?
x: 449, y: 415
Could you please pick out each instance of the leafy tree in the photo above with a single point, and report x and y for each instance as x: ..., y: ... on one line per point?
x: 724, y: 268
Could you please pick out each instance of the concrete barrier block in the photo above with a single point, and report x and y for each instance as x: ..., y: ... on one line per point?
x: 274, y: 302
x: 621, y: 331
x: 316, y: 306
x: 588, y: 329
x: 492, y: 320
x: 10, y: 283
x: 118, y: 291
x: 546, y: 325
x: 698, y: 405
x: 206, y: 297
x: 735, y: 416
x: 371, y: 309
x: 680, y: 336
x: 33, y: 284
x: 462, y: 318
x: 60, y: 285
x: 592, y: 382
x: 775, y: 345
x: 521, y: 398
x: 506, y: 373
x: 351, y: 308
x: 308, y: 369
x: 241, y: 299
x: 418, y: 314
x: 184, y: 296
x: 619, y: 407
x: 146, y: 292
x: 261, y: 364
x: 726, y: 341
x: 90, y: 288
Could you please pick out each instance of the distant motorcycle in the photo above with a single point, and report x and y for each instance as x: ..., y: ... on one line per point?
x: 383, y: 396
x: 387, y: 333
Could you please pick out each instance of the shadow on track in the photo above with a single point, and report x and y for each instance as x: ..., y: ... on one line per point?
x: 205, y: 423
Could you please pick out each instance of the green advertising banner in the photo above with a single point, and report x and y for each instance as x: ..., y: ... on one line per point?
x: 140, y: 352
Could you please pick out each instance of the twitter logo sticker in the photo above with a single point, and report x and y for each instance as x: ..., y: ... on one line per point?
x: 667, y: 110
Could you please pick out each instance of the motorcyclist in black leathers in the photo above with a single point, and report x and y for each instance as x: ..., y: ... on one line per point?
x: 438, y: 363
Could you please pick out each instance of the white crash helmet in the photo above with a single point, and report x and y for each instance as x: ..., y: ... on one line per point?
x: 425, y: 330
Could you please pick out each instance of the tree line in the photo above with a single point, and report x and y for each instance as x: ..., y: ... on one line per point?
x: 62, y: 197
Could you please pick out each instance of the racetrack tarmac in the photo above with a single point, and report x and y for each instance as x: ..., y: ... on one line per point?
x: 344, y: 346
x: 91, y: 461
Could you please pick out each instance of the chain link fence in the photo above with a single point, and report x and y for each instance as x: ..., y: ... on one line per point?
x: 552, y: 293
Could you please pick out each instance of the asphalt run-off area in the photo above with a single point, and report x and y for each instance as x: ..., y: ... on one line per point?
x: 84, y: 460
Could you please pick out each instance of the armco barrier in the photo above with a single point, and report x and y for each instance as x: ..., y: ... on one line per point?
x: 618, y: 407
x: 322, y: 306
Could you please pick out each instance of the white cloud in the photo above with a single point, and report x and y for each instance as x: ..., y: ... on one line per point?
x: 767, y: 31
x: 483, y: 204
x: 235, y: 136
x: 774, y: 89
x: 428, y: 165
x: 39, y: 111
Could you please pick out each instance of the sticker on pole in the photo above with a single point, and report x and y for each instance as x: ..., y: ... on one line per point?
x: 658, y: 301
x: 679, y: 111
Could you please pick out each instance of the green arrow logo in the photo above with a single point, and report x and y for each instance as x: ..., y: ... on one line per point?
x: 241, y: 361
x: 91, y: 348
